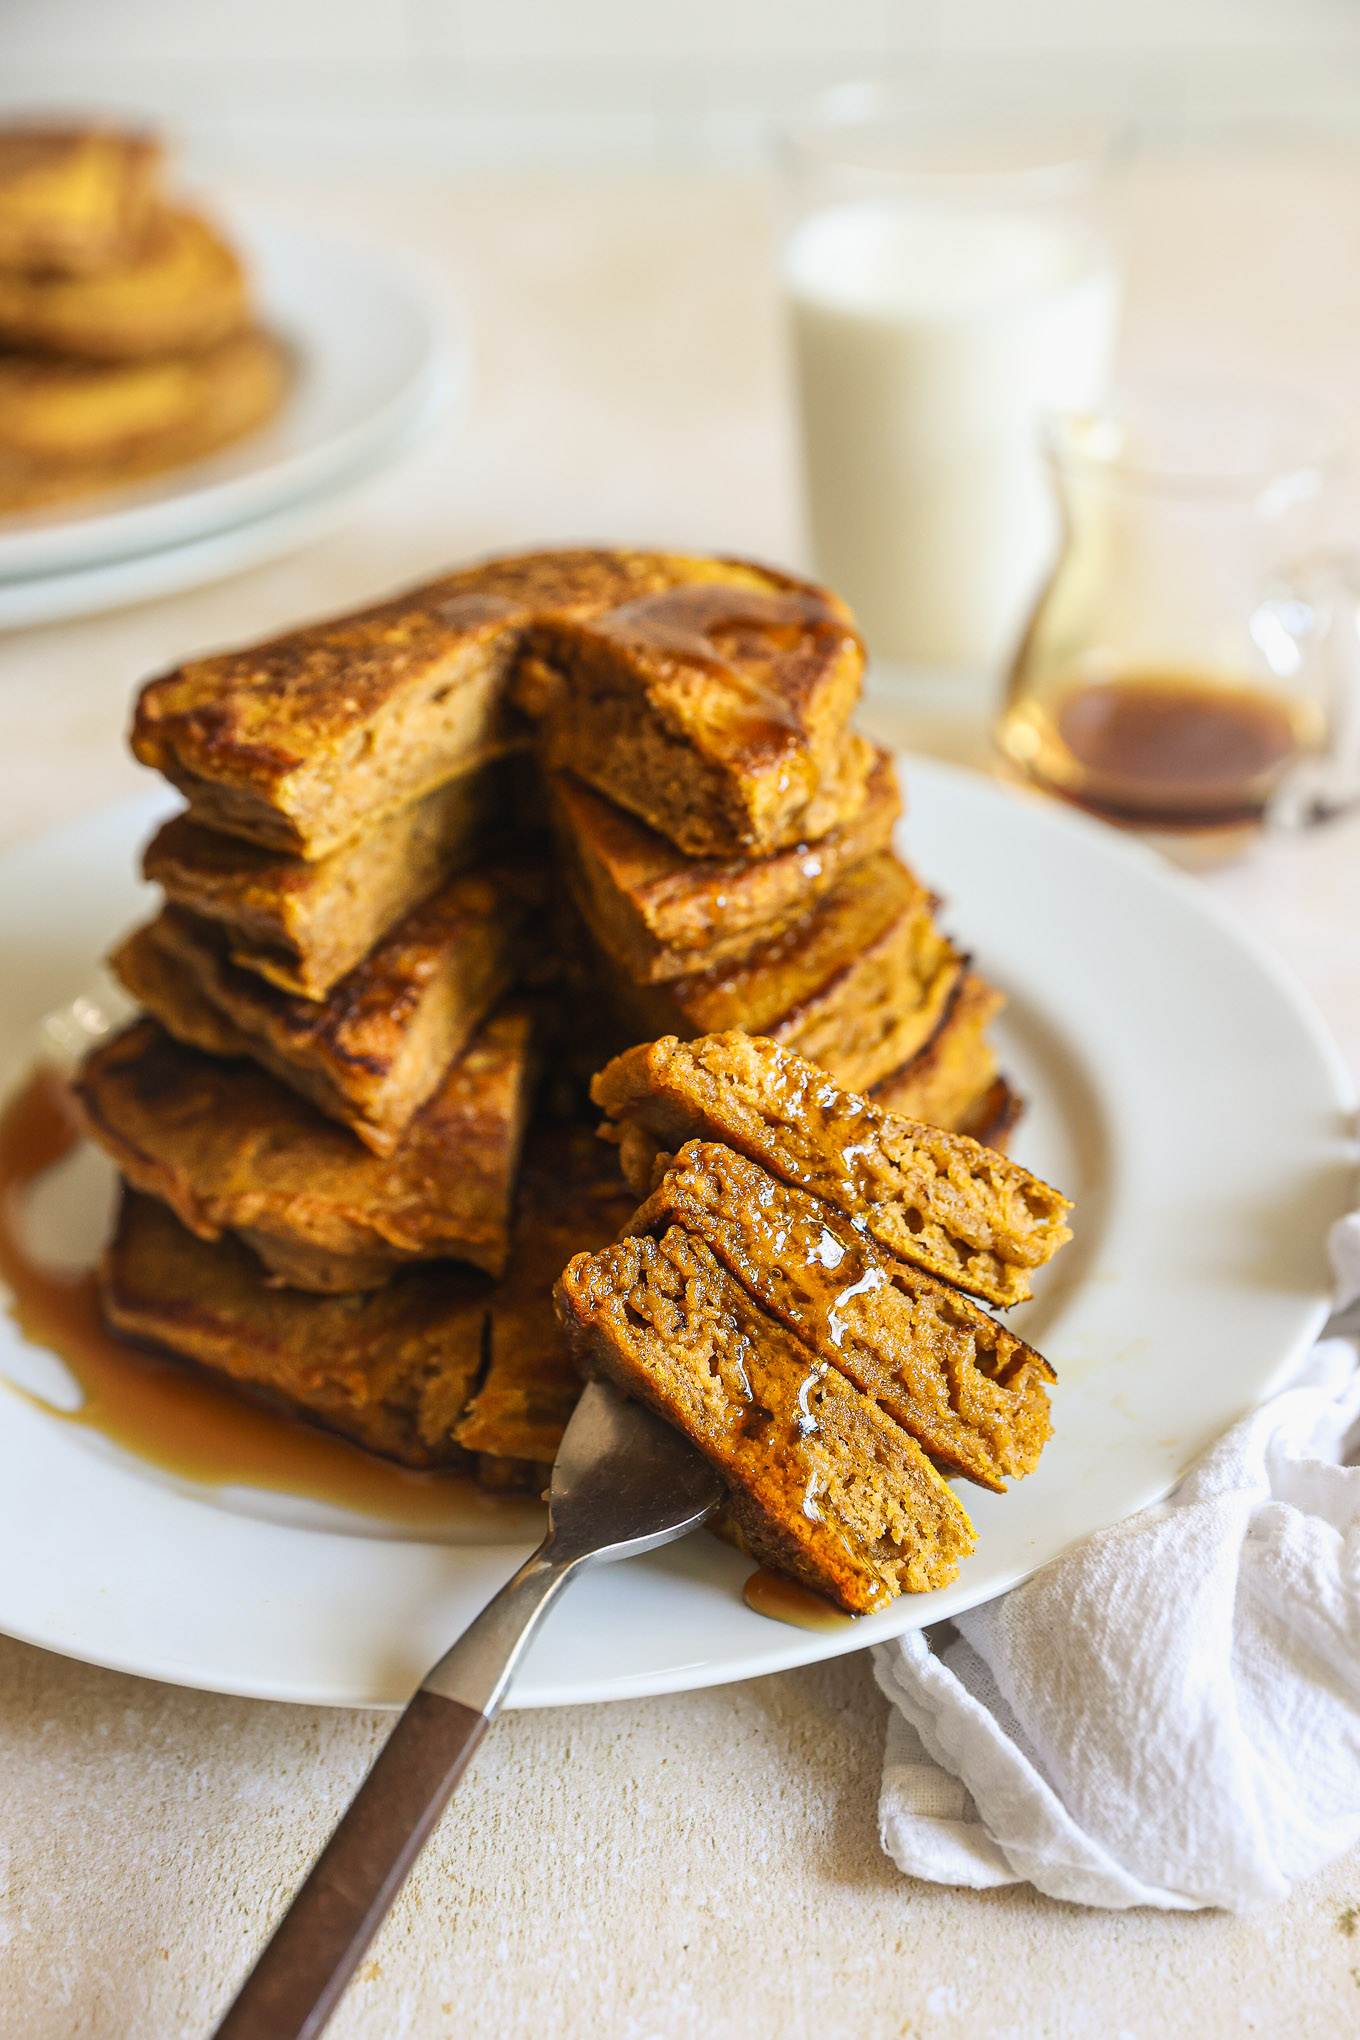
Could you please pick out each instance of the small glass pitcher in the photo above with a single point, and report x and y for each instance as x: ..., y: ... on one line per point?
x: 1177, y: 675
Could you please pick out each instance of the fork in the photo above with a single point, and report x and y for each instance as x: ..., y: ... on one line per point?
x: 622, y: 1483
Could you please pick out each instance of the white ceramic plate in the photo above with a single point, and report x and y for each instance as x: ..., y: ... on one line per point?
x: 370, y: 353
x: 1180, y: 1088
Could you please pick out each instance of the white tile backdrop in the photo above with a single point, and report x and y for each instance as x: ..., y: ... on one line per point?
x: 498, y: 82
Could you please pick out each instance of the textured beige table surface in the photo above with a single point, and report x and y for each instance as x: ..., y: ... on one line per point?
x: 705, y: 1865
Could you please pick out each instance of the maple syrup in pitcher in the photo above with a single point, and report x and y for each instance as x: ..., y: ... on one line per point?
x: 1161, y: 750
x: 1193, y: 663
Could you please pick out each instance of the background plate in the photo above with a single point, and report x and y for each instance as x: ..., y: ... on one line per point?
x: 370, y: 352
x: 1181, y: 1089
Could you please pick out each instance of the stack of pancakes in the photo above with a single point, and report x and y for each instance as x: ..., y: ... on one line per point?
x: 126, y: 342
x: 438, y: 858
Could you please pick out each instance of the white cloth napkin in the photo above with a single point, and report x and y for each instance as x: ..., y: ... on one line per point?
x: 1170, y: 1714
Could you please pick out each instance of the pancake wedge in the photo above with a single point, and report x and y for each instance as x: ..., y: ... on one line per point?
x: 939, y: 1201
x: 822, y: 1485
x: 971, y: 1394
x: 390, y: 1369
x: 230, y: 1149
x: 659, y: 914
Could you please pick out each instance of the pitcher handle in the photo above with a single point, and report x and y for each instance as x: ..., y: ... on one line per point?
x: 1308, y: 627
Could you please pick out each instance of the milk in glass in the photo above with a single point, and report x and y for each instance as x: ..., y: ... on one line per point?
x: 930, y: 342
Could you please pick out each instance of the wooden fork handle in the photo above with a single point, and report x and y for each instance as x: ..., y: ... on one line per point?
x: 297, y: 1982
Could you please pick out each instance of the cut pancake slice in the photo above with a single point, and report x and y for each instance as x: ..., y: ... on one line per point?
x: 659, y: 914
x: 858, y: 985
x: 937, y: 1200
x: 823, y: 1486
x: 312, y: 739
x: 305, y: 926
x: 373, y: 1052
x: 570, y: 1200
x: 712, y: 711
x: 229, y: 1148
x: 315, y: 738
x: 390, y: 1369
x: 972, y: 1394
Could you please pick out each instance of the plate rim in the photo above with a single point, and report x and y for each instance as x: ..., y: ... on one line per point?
x: 796, y: 1647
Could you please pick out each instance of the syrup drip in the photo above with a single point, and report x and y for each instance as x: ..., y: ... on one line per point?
x: 769, y: 1593
x: 179, y: 1419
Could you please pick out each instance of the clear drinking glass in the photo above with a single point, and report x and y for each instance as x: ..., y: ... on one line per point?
x: 1188, y: 670
x: 950, y: 282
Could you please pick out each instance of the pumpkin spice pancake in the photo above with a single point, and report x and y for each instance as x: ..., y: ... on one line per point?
x: 937, y: 1200
x: 661, y: 915
x: 69, y: 428
x: 971, y: 1394
x: 73, y: 200
x: 712, y: 711
x: 390, y: 1368
x: 181, y: 288
x: 371, y: 1053
x: 305, y: 926
x: 229, y: 1148
x: 821, y: 1484
x: 311, y: 739
x: 858, y: 985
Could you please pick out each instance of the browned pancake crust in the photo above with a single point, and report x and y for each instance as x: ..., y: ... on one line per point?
x: 231, y: 1149
x: 972, y: 1394
x: 304, y: 926
x: 180, y: 289
x: 391, y: 1369
x: 822, y: 1484
x: 70, y: 428
x: 314, y: 738
x: 373, y: 1052
x: 937, y: 1200
x: 73, y: 200
x: 571, y: 1200
x: 311, y: 739
x: 858, y: 985
x: 660, y: 914
x: 711, y: 711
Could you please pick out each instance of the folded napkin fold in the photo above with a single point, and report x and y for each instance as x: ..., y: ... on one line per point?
x: 1170, y: 1714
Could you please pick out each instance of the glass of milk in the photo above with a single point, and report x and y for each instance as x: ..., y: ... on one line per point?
x: 950, y: 286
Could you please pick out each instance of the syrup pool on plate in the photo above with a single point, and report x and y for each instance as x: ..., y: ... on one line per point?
x: 175, y: 1418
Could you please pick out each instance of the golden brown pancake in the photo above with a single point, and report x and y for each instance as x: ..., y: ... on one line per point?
x: 231, y: 1149
x: 937, y: 1200
x: 712, y: 711
x: 312, y: 739
x: 374, y: 1051
x: 73, y: 200
x: 954, y: 1081
x: 822, y: 1484
x: 304, y: 926
x: 180, y: 289
x: 972, y: 1395
x: 72, y: 428
x: 661, y: 915
x: 390, y: 1368
x: 858, y: 986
